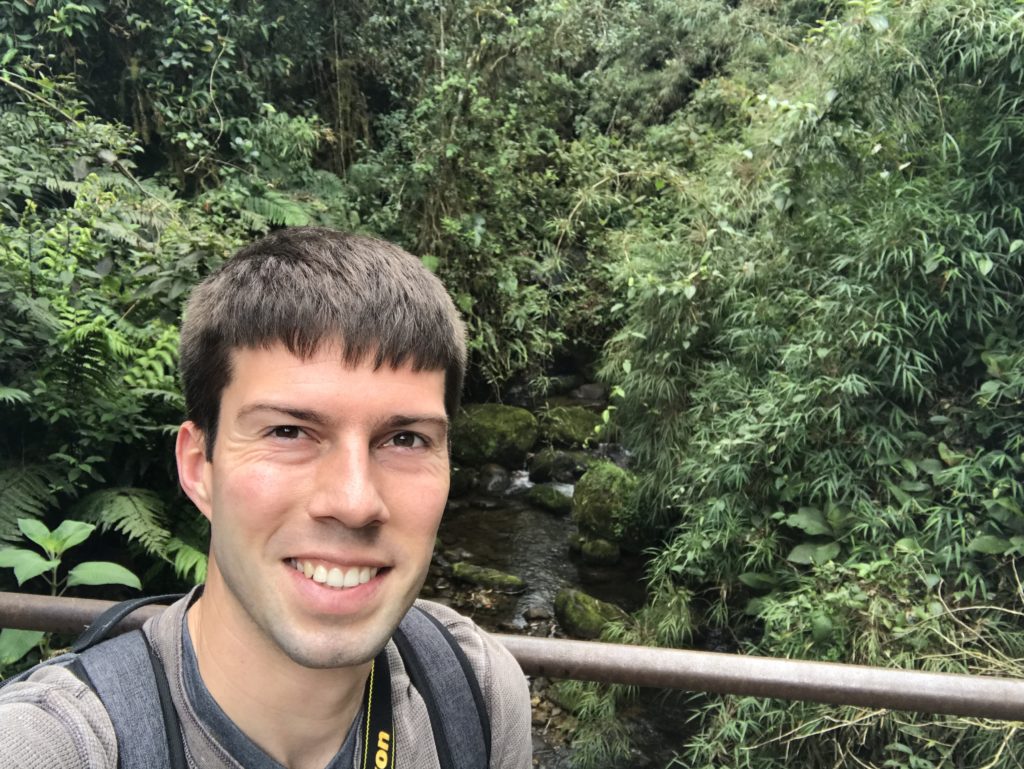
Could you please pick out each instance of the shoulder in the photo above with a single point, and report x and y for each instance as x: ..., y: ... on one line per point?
x: 502, y: 683
x: 53, y: 720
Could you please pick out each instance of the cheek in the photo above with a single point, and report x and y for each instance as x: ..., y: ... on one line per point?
x: 253, y: 497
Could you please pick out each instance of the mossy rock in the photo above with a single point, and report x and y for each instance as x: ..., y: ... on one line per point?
x: 547, y: 497
x: 492, y: 579
x: 560, y: 465
x: 603, y: 496
x: 491, y: 432
x: 582, y: 615
x: 600, y: 552
x: 568, y: 425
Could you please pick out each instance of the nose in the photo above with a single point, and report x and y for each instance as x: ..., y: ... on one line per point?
x: 347, y: 488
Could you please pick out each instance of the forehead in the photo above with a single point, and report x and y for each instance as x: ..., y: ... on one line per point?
x: 325, y: 376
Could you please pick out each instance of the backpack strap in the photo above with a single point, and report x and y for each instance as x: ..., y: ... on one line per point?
x: 438, y: 668
x: 124, y: 672
x: 101, y: 627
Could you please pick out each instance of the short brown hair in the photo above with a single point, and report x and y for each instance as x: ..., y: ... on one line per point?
x: 307, y: 285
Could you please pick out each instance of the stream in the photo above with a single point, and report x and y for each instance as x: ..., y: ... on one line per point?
x: 505, y: 533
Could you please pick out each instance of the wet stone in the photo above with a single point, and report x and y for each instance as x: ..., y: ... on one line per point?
x: 600, y: 552
x: 558, y: 465
x: 550, y: 498
x: 582, y: 615
x: 493, y: 579
x: 491, y: 432
x: 569, y: 426
x: 493, y: 479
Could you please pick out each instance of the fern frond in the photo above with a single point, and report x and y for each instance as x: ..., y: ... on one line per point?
x: 174, y: 399
x: 119, y: 233
x: 278, y: 209
x: 13, y: 395
x: 24, y: 493
x: 189, y: 563
x: 137, y: 513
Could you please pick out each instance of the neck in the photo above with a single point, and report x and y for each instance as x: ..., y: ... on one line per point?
x: 297, y: 715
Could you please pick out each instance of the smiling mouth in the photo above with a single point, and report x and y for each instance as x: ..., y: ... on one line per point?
x: 336, y: 577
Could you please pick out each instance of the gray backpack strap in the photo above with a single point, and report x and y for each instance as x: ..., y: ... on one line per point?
x: 125, y: 673
x: 441, y: 673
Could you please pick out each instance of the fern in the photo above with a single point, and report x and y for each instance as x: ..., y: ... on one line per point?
x: 277, y: 209
x: 189, y: 563
x: 137, y: 513
x: 24, y: 493
x: 13, y: 395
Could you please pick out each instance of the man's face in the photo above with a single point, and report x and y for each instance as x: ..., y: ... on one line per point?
x: 324, y: 496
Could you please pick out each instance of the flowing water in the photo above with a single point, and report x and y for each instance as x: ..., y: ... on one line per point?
x: 507, y: 534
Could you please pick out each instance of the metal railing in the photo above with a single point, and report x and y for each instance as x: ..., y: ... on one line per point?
x: 827, y: 682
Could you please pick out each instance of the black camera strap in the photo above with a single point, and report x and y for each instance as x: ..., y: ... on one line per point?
x: 379, y: 739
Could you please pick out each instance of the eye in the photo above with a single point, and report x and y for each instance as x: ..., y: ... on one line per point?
x: 288, y: 432
x: 407, y: 440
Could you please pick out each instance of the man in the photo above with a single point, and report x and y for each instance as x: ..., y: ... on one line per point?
x: 320, y: 372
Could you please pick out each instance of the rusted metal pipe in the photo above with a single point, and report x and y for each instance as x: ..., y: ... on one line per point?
x: 62, y: 615
x: 827, y: 682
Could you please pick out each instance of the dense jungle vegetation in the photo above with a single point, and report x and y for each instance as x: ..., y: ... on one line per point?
x: 788, y: 232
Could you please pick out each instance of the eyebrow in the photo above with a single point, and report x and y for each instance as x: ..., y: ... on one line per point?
x: 299, y: 415
x: 313, y: 416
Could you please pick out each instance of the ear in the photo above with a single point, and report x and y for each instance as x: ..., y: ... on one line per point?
x: 193, y: 467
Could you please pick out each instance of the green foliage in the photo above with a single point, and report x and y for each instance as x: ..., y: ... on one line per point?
x: 794, y: 227
x: 93, y: 264
x: 819, y: 367
x: 29, y: 564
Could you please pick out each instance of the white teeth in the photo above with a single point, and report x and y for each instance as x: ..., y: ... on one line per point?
x: 335, y: 577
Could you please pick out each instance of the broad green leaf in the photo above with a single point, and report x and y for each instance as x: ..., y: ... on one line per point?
x: 15, y: 644
x: 821, y: 628
x: 71, y: 533
x: 985, y: 265
x: 949, y: 457
x: 431, y: 262
x: 35, y: 531
x: 102, y: 573
x: 908, y: 545
x: 930, y: 466
x: 26, y: 563
x: 914, y: 486
x: 989, y: 544
x: 809, y: 553
x: 810, y: 520
x: 757, y: 580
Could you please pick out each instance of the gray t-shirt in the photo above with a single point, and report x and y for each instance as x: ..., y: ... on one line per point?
x: 54, y: 721
x: 235, y: 741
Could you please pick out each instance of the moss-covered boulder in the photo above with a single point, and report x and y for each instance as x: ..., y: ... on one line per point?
x: 491, y: 432
x: 547, y: 497
x: 582, y: 615
x: 492, y: 579
x: 600, y: 552
x: 564, y: 466
x: 603, y: 496
x: 568, y: 426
